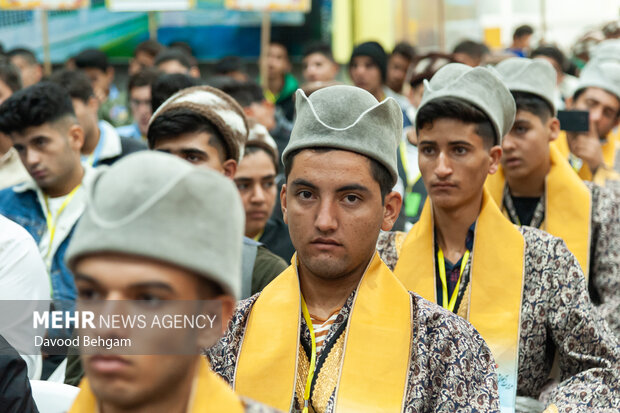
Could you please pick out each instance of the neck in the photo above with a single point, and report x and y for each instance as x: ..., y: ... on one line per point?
x: 324, y: 296
x: 452, y: 226
x: 379, y: 94
x: 172, y: 400
x: 68, y: 184
x: 531, y: 186
x: 275, y: 84
x: 90, y: 144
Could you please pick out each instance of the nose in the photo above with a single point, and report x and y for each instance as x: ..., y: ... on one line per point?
x: 326, y: 220
x: 32, y: 157
x: 596, y: 114
x: 444, y: 167
x: 508, y: 144
x: 258, y: 195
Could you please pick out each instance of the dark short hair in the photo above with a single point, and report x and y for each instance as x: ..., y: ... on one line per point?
x: 180, y: 121
x: 183, y: 46
x: 471, y: 48
x: 533, y: 104
x: 228, y: 64
x: 379, y: 172
x: 92, y: 59
x: 280, y: 42
x: 457, y: 109
x: 174, y: 54
x: 44, y: 102
x: 319, y: 47
x: 75, y: 82
x: 524, y: 30
x: 150, y: 47
x: 405, y: 49
x: 9, y: 74
x: 145, y: 77
x: 167, y: 85
x: 551, y: 52
x: 26, y: 54
x: 251, y: 147
x: 245, y: 93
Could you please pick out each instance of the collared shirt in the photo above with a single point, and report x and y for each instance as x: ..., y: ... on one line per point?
x: 130, y: 131
x: 109, y: 145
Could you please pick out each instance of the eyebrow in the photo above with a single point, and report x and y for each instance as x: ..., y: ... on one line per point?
x: 144, y: 285
x: 262, y: 178
x: 349, y: 187
x: 303, y: 182
x: 185, y: 151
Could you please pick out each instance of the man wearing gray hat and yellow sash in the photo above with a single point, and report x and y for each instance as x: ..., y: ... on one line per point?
x: 520, y: 287
x: 337, y: 332
x: 594, y: 155
x: 536, y: 186
x: 160, y: 231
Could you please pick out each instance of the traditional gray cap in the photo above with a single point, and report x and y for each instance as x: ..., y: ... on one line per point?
x: 347, y: 118
x: 607, y: 50
x: 479, y: 86
x: 537, y: 77
x: 158, y: 206
x: 603, y: 74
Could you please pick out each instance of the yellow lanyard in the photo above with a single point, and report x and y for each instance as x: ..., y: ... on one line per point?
x: 449, y: 305
x: 306, y: 314
x: 402, y: 149
x: 51, y: 222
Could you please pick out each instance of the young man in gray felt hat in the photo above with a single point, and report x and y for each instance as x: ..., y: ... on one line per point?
x: 337, y: 331
x: 536, y: 186
x: 129, y: 246
x: 207, y: 128
x: 594, y: 154
x: 522, y: 289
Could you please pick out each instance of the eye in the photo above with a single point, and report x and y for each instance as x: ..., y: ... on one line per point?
x: 352, y: 199
x: 148, y: 299
x: 192, y: 158
x: 427, y: 150
x: 243, y: 187
x: 460, y: 150
x: 304, y: 195
x: 267, y: 185
x: 520, y: 130
x: 88, y: 294
x: 19, y: 148
x: 39, y: 142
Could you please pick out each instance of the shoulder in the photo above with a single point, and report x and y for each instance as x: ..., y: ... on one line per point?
x: 604, y: 202
x: 13, y: 234
x: 267, y: 259
x: 130, y: 145
x: 389, y: 245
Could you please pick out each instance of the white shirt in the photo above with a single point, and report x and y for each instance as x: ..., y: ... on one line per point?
x: 22, y: 277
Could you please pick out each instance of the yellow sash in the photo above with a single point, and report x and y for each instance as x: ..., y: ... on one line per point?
x: 609, y: 152
x: 209, y: 394
x: 377, y: 349
x: 496, y: 281
x: 568, y: 206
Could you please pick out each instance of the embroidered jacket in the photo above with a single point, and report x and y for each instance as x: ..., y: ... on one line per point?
x: 557, y: 318
x: 451, y: 368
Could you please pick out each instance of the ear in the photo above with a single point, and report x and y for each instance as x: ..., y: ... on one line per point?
x: 283, y: 203
x: 194, y: 72
x: 494, y: 154
x: 230, y: 168
x: 391, y: 208
x: 248, y: 111
x: 554, y: 129
x: 207, y: 337
x: 76, y: 137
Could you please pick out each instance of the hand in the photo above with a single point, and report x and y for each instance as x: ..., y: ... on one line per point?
x: 587, y: 146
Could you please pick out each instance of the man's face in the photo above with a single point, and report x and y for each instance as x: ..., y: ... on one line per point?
x: 140, y: 103
x: 278, y: 63
x: 454, y: 162
x: 171, y: 67
x: 126, y: 382
x: 396, y: 72
x: 365, y: 74
x: 263, y: 113
x: 141, y: 61
x: 525, y: 149
x: 195, y: 148
x: 86, y: 114
x: 100, y: 81
x: 50, y: 152
x: 317, y: 67
x: 30, y: 74
x: 5, y: 92
x: 603, y: 107
x: 256, y: 182
x: 332, y: 205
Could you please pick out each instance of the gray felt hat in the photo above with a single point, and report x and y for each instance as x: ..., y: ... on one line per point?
x: 606, y: 50
x: 537, y: 77
x: 480, y: 87
x: 603, y: 74
x: 158, y: 206
x: 347, y: 118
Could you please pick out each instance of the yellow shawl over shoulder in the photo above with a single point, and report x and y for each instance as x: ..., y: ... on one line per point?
x: 373, y: 376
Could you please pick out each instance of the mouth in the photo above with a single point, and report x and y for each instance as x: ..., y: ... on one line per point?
x: 39, y: 174
x: 108, y: 364
x: 443, y: 185
x: 512, y: 162
x: 325, y: 243
x: 257, y: 215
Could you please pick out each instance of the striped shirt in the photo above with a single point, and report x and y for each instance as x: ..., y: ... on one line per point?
x: 321, y: 329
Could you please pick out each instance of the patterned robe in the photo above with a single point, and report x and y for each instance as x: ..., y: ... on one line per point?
x: 604, y: 282
x: 557, y: 319
x: 451, y: 367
